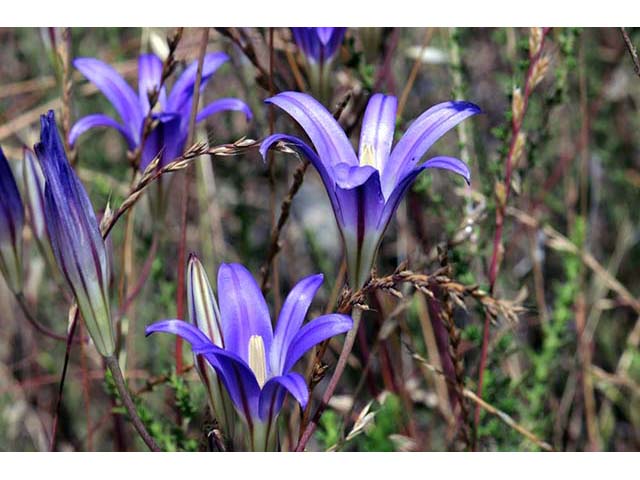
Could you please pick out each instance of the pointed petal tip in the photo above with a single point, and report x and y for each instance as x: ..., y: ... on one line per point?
x: 267, y: 143
x: 465, y: 105
x: 452, y: 164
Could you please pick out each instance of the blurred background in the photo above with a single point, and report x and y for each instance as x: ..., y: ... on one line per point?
x: 567, y: 370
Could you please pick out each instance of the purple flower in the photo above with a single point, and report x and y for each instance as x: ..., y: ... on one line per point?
x: 319, y: 44
x: 172, y: 111
x: 254, y: 362
x: 365, y: 190
x: 75, y: 236
x: 11, y: 223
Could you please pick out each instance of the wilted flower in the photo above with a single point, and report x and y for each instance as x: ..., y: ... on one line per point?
x: 11, y: 223
x: 75, y: 236
x: 365, y: 190
x: 253, y: 362
x: 320, y: 45
x: 172, y: 111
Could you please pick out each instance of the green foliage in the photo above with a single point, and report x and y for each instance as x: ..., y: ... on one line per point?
x: 329, y: 429
x: 170, y: 436
x: 389, y: 418
x: 546, y: 368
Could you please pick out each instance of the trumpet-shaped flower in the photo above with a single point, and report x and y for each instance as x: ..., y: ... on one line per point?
x: 172, y: 111
x: 75, y: 236
x: 11, y: 223
x: 319, y: 44
x: 254, y: 362
x: 365, y: 190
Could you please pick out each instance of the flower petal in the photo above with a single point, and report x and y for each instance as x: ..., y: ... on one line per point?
x: 239, y: 379
x: 99, y: 120
x: 325, y: 132
x: 11, y: 223
x: 167, y: 137
x: 225, y: 104
x: 192, y: 334
x: 446, y: 163
x: 291, y: 319
x: 307, y: 151
x: 326, y: 175
x: 117, y: 91
x: 422, y: 133
x: 360, y: 211
x: 350, y: 176
x: 378, y: 125
x: 243, y: 310
x: 335, y: 40
x: 449, y: 163
x: 273, y: 392
x: 319, y: 44
x: 314, y: 332
x: 324, y: 34
x: 235, y: 373
x: 150, y: 78
x: 180, y: 97
x: 306, y: 39
x: 11, y: 207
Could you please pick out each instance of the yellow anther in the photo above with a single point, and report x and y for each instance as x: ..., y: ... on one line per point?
x: 257, y: 359
x: 368, y: 156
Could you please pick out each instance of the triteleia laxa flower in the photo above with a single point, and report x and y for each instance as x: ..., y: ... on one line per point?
x: 365, y: 190
x: 254, y: 362
x: 172, y: 111
x: 75, y: 236
x: 320, y: 45
x: 11, y: 223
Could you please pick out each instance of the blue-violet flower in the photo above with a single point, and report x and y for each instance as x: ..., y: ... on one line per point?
x: 365, y: 190
x: 11, y: 223
x: 75, y: 236
x: 253, y: 362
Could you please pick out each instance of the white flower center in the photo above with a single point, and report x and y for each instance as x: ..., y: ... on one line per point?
x: 368, y: 156
x: 257, y: 359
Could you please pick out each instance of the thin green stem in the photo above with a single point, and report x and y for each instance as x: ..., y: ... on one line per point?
x: 118, y: 378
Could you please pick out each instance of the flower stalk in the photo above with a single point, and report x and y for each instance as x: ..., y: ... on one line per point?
x: 125, y: 397
x: 356, y: 315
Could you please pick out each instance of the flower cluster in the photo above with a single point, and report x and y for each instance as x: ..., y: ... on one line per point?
x: 245, y: 363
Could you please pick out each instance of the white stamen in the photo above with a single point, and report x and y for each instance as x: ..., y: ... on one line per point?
x: 368, y: 156
x: 257, y: 359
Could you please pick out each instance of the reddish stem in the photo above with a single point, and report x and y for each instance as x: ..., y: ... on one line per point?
x: 516, y: 126
x: 185, y: 196
x: 142, y: 279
